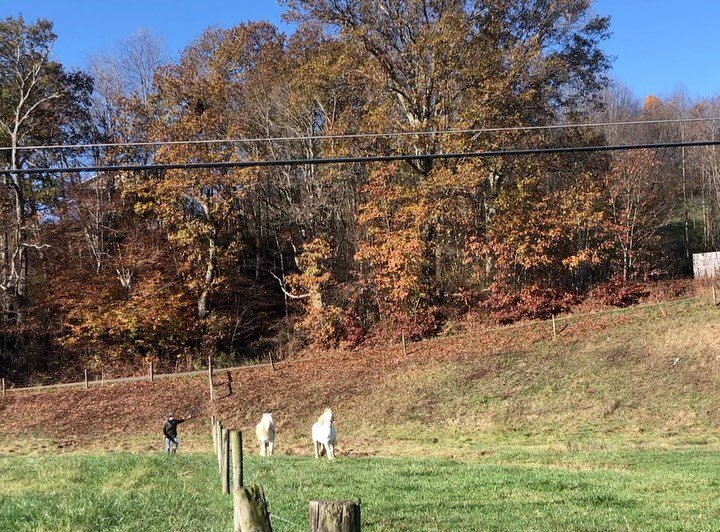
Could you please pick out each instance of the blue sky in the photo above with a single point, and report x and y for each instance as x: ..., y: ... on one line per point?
x: 658, y: 45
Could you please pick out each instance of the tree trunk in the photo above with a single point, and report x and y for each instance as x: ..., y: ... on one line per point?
x: 17, y: 255
x: 210, y: 272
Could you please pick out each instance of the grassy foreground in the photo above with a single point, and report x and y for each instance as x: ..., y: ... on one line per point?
x: 506, y: 490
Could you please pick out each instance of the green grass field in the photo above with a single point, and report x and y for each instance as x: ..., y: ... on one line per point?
x: 506, y: 490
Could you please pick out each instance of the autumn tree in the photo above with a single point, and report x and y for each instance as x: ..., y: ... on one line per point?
x: 40, y: 102
x: 638, y: 208
x: 705, y: 165
x: 233, y: 262
x: 103, y: 272
x: 202, y: 211
x: 439, y: 65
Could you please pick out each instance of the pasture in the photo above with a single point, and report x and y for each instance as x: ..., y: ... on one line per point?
x: 511, y: 489
x: 613, y: 425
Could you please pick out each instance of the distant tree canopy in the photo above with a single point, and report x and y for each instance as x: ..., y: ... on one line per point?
x: 119, y: 267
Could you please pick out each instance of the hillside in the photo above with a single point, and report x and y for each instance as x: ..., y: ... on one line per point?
x: 645, y: 376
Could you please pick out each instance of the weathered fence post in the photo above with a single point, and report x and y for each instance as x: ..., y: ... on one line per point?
x: 210, y: 376
x: 554, y: 328
x: 272, y: 364
x: 225, y: 471
x: 102, y: 377
x: 250, y: 511
x: 87, y: 385
x: 3, y: 386
x: 214, y: 433
x: 334, y: 516
x: 237, y: 458
x: 218, y: 449
x: 404, y: 345
x: 152, y: 371
x: 714, y: 295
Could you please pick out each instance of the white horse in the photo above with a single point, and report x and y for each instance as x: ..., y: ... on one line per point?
x: 324, y: 435
x: 265, y: 432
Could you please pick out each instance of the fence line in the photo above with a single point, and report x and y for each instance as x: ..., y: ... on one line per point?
x: 275, y: 364
x: 156, y: 376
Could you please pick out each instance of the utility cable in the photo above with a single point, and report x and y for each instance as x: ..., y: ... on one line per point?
x: 358, y: 159
x: 356, y: 135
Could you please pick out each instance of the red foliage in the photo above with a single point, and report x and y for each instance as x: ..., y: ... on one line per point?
x: 618, y: 294
x: 353, y: 332
x: 422, y: 323
x: 530, y: 302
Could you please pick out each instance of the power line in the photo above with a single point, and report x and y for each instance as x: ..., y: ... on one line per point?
x: 359, y: 159
x: 356, y: 135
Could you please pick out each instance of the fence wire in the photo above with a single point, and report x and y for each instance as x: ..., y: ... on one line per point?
x: 274, y: 516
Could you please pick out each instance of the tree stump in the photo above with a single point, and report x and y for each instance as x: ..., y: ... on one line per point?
x: 334, y: 516
x: 250, y: 511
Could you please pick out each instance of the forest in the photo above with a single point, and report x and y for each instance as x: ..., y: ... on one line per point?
x: 116, y: 268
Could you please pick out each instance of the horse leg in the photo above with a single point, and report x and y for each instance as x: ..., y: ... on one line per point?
x: 271, y: 446
x: 331, y: 451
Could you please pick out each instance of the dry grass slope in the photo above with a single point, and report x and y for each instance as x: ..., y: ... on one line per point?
x: 646, y: 376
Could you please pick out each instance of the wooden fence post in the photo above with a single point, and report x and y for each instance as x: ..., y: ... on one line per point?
x: 714, y: 295
x: 152, y: 371
x: 87, y: 384
x: 3, y: 386
x: 225, y: 472
x: 218, y: 436
x: 102, y: 376
x: 554, y: 328
x: 250, y: 511
x: 272, y: 364
x: 237, y: 458
x: 334, y: 516
x: 210, y: 379
x: 214, y: 433
x: 404, y: 345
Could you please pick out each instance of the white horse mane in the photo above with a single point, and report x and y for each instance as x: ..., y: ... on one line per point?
x: 326, y: 418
